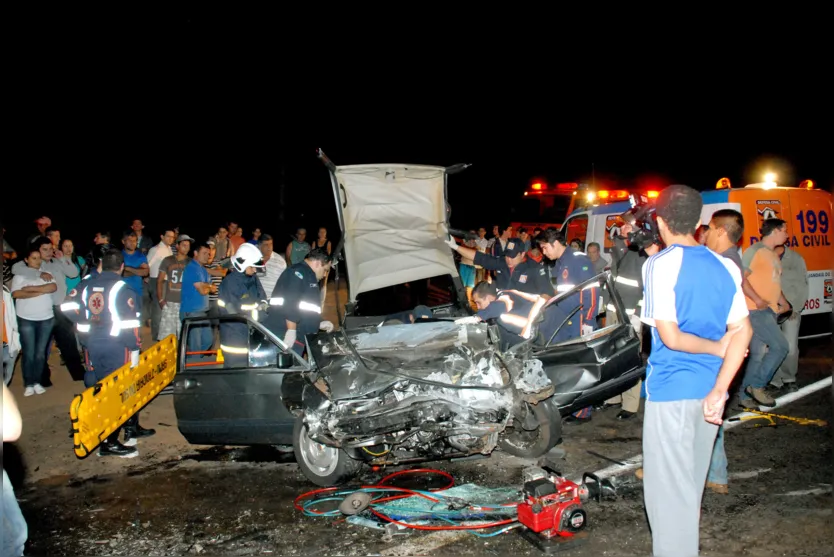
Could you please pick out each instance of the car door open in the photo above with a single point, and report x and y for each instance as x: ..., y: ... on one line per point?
x: 591, y: 365
x: 247, y: 403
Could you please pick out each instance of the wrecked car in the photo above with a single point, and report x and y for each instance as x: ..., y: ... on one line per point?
x: 378, y: 394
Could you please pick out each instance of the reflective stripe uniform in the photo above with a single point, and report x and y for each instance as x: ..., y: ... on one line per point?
x: 239, y: 294
x: 296, y: 298
x: 627, y: 269
x: 106, y: 314
x: 573, y: 268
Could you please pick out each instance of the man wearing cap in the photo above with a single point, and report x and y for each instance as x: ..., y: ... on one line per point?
x: 169, y: 287
x: 515, y: 313
x: 513, y: 271
x: 42, y: 223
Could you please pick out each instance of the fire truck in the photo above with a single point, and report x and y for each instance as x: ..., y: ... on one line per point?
x: 593, y: 215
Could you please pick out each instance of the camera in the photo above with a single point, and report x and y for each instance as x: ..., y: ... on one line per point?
x: 643, y: 221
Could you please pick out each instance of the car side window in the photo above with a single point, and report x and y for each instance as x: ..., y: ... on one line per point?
x: 262, y: 351
x: 576, y: 228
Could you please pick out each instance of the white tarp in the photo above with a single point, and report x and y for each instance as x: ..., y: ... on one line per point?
x: 395, y: 224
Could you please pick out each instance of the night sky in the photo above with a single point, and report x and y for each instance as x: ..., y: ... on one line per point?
x: 195, y: 117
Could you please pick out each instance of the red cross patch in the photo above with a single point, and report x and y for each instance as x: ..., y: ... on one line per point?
x: 130, y: 303
x: 565, y: 274
x: 96, y: 303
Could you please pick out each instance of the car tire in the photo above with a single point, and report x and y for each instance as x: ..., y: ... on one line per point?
x: 536, y: 443
x: 324, y: 466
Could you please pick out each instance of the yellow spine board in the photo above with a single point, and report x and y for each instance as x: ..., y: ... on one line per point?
x: 101, y: 409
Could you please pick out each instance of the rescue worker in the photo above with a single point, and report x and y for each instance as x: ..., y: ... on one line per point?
x: 571, y: 269
x: 105, y: 309
x: 627, y: 261
x: 419, y: 313
x: 515, y: 312
x: 295, y: 304
x: 513, y: 271
x: 240, y: 293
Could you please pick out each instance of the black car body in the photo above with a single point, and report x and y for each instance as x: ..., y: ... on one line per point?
x: 380, y: 394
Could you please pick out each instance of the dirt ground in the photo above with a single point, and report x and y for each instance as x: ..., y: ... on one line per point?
x: 177, y: 498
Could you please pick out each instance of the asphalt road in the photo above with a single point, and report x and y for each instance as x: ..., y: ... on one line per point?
x: 237, y: 501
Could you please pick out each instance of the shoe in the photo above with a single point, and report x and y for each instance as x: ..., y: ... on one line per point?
x: 38, y: 389
x: 606, y: 406
x: 134, y: 433
x: 721, y: 489
x: 29, y: 391
x: 760, y: 395
x: 117, y: 449
x: 626, y: 415
x: 638, y: 473
x: 790, y: 387
x: 748, y: 404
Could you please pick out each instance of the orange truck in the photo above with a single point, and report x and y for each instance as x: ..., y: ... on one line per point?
x: 594, y: 217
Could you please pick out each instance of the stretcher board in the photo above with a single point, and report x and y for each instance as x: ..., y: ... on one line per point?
x: 101, y: 409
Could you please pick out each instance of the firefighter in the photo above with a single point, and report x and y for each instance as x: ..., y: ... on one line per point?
x: 105, y: 311
x: 240, y: 293
x: 513, y: 271
x: 627, y: 259
x: 572, y: 268
x: 295, y: 304
x: 515, y: 312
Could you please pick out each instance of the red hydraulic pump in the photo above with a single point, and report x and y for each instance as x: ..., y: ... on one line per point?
x: 552, y: 513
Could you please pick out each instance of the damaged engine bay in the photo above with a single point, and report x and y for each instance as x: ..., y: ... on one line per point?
x: 414, y: 392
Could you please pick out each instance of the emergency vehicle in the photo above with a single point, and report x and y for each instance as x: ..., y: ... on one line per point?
x: 594, y: 217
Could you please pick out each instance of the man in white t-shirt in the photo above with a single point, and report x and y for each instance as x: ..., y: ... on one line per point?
x: 155, y: 256
x: 273, y: 265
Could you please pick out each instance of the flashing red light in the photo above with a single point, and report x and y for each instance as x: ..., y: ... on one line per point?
x: 652, y: 194
x: 567, y: 186
x: 612, y: 194
x: 537, y: 186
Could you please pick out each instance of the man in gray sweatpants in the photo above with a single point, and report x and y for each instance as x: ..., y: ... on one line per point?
x: 700, y: 332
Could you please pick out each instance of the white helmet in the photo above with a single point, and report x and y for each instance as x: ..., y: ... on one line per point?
x: 247, y: 255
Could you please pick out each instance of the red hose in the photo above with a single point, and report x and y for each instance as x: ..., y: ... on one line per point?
x: 405, y: 492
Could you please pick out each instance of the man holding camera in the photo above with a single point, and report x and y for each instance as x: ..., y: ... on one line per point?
x: 630, y: 251
x: 700, y: 333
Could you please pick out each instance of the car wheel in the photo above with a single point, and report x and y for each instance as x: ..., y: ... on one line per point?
x: 537, y: 442
x: 324, y: 466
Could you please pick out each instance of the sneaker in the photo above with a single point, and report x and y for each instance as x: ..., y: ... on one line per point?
x: 28, y: 391
x: 790, y: 387
x: 38, y: 389
x: 721, y: 489
x: 747, y: 403
x: 759, y: 394
x: 626, y: 415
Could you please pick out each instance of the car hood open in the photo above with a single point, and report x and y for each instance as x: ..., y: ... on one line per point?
x: 393, y: 219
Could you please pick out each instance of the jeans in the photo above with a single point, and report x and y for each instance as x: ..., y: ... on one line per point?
x: 768, y: 349
x: 201, y: 336
x: 63, y: 331
x: 787, y: 371
x: 718, y: 465
x: 154, y: 311
x: 34, y: 336
x: 15, y: 531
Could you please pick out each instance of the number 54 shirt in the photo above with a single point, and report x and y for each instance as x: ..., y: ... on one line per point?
x: 173, y: 270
